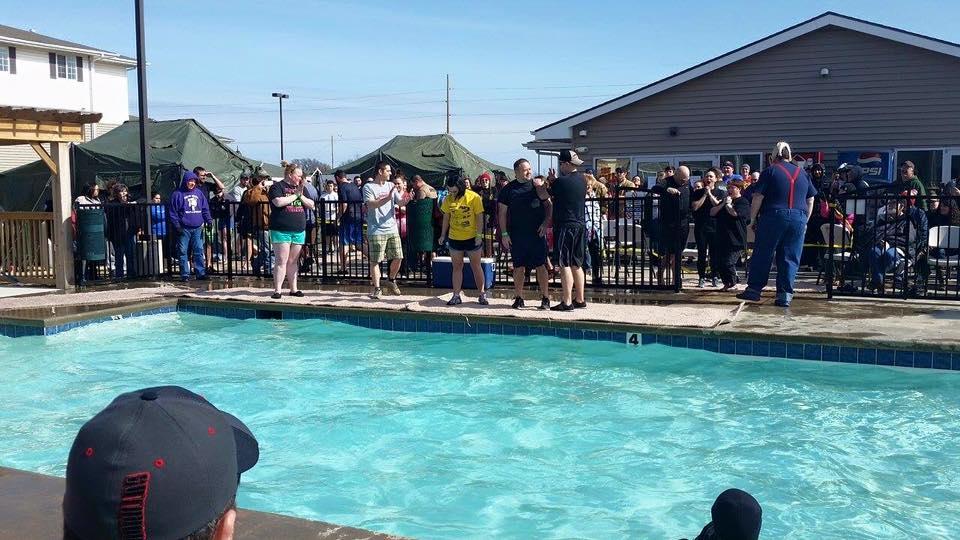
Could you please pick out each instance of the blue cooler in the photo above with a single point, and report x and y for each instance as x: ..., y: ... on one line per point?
x: 443, y: 272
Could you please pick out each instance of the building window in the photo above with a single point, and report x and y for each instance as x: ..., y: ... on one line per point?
x: 66, y: 67
x: 928, y: 165
x: 754, y: 160
x: 4, y: 60
x: 606, y: 167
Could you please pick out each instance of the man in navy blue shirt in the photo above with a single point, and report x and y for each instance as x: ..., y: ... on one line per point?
x: 782, y: 204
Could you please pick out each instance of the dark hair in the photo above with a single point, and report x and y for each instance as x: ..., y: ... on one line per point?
x: 339, y: 174
x: 517, y: 163
x: 417, y: 178
x: 458, y: 182
x: 255, y: 181
x: 90, y: 188
x: 715, y: 171
x: 399, y: 174
x: 381, y: 164
x: 329, y: 183
x: 207, y: 532
x: 669, y: 168
x: 198, y: 170
x: 155, y: 194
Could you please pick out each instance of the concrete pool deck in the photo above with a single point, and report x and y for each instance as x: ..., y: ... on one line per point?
x: 925, y: 325
x: 30, y: 507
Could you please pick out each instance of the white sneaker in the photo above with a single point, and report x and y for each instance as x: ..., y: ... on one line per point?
x: 377, y: 293
x: 394, y: 288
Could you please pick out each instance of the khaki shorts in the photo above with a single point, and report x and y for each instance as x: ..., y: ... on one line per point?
x: 385, y: 247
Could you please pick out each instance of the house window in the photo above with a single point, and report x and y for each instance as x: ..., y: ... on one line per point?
x: 4, y: 60
x: 928, y: 165
x: 606, y: 167
x: 66, y: 67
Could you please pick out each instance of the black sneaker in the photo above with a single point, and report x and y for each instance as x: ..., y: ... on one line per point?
x: 579, y: 305
x: 455, y: 301
x: 518, y: 302
x: 544, y: 304
x: 275, y: 296
x: 483, y: 300
x: 562, y: 307
x: 184, y: 279
x: 204, y: 277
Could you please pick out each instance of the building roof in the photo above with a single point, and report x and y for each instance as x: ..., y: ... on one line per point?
x: 561, y: 129
x: 26, y: 37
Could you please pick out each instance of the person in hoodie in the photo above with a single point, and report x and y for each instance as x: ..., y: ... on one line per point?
x: 189, y: 212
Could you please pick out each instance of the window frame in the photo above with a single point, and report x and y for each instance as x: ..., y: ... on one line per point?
x: 4, y: 60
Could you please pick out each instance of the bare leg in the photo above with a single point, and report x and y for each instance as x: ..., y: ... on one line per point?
x: 566, y: 281
x: 456, y: 257
x: 293, y: 266
x: 478, y: 279
x: 543, y: 278
x: 395, y: 268
x: 578, y: 281
x: 519, y: 273
x: 281, y: 255
x: 375, y: 274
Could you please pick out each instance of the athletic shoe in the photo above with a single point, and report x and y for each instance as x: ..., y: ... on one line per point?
x: 562, y: 307
x: 184, y: 278
x: 781, y: 303
x: 377, y: 293
x: 579, y: 305
x: 203, y: 278
x: 518, y: 302
x: 298, y: 294
x: 275, y: 296
x: 483, y: 300
x: 544, y: 304
x: 392, y: 283
x: 701, y: 283
x: 749, y: 296
x: 455, y: 301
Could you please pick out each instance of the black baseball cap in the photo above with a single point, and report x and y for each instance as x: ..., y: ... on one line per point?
x: 736, y: 516
x: 157, y: 463
x: 728, y: 164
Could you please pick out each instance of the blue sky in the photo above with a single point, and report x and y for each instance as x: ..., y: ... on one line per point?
x: 364, y: 71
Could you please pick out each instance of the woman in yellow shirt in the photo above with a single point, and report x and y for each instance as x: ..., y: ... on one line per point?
x: 463, y: 232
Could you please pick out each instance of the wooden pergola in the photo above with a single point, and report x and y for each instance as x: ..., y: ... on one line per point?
x: 26, y: 125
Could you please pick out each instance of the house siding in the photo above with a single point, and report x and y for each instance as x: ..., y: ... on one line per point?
x: 880, y: 95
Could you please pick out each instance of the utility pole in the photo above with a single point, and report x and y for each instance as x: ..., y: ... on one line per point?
x: 448, y: 103
x: 331, y: 151
x: 280, y: 97
x: 142, y: 100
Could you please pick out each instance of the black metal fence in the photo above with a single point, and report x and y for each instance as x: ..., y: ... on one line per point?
x: 891, y: 245
x: 623, y: 239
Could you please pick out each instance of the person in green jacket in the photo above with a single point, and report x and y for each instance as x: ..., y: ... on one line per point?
x: 907, y: 176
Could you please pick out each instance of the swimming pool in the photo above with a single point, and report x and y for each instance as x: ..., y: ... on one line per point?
x: 448, y: 436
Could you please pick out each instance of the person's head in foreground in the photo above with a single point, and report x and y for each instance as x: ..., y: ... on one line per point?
x: 736, y: 516
x: 160, y: 464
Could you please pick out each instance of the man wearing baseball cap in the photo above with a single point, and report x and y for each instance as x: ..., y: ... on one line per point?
x: 569, y: 229
x: 910, y: 182
x: 159, y: 463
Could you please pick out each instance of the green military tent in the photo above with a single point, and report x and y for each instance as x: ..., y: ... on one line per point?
x: 174, y: 145
x: 430, y: 156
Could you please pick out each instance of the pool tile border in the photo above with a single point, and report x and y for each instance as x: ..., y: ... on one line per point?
x: 695, y: 339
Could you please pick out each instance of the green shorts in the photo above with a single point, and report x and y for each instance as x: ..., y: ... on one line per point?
x: 283, y: 237
x: 385, y: 247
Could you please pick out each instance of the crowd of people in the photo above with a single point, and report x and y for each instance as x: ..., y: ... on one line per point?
x: 547, y: 228
x: 163, y: 462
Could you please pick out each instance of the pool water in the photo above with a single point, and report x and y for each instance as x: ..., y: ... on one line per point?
x: 447, y: 436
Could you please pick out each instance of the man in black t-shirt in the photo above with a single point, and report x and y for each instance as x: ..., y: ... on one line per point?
x: 674, y: 217
x: 569, y: 229
x: 350, y: 215
x: 523, y: 211
x: 704, y: 225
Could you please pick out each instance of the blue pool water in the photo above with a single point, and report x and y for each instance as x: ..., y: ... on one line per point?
x: 451, y: 436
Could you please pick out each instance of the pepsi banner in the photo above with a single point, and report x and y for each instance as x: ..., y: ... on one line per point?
x: 877, y: 166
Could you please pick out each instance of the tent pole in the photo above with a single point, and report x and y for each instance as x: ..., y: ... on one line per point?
x: 448, y: 103
x: 142, y: 101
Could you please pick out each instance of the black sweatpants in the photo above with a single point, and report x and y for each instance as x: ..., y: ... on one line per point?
x: 704, y: 234
x: 723, y: 258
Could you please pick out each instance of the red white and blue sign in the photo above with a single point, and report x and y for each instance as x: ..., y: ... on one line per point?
x: 877, y: 166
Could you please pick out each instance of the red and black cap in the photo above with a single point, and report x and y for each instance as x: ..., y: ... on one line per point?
x: 157, y: 463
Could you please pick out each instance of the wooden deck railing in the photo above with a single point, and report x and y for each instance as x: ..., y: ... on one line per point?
x: 27, y: 245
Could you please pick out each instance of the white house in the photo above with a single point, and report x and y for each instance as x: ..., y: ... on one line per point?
x: 49, y: 73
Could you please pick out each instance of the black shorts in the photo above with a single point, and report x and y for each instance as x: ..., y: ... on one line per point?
x: 463, y: 245
x: 570, y: 244
x: 528, y: 251
x: 330, y: 230
x: 673, y: 239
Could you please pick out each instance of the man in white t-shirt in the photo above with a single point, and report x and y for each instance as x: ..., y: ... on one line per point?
x: 383, y: 236
x: 327, y: 210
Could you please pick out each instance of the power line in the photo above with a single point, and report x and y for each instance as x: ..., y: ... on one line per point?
x: 376, y: 137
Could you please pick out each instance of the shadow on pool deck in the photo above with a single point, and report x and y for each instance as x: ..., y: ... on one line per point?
x: 30, y: 508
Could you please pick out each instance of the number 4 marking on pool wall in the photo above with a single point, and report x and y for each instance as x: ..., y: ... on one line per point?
x: 633, y: 339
